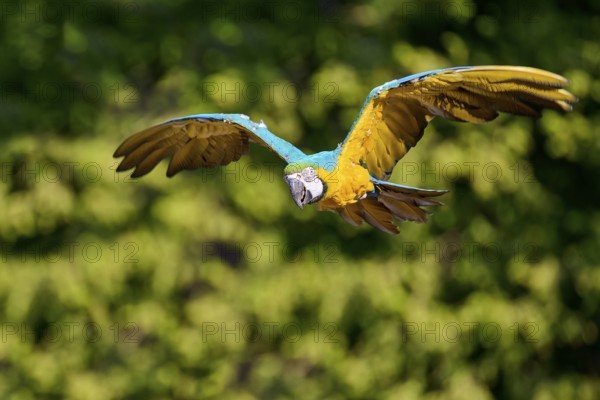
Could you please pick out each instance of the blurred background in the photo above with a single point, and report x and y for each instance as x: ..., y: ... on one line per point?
x: 213, y: 284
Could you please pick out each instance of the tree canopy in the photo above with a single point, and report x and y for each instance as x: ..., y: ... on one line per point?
x: 213, y: 284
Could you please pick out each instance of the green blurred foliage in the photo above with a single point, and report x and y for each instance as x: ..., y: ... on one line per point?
x: 214, y: 285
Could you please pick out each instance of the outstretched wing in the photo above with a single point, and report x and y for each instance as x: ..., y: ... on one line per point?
x: 196, y: 141
x: 395, y: 114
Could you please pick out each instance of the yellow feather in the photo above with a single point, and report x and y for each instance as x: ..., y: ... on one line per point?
x: 495, y: 73
x: 472, y: 94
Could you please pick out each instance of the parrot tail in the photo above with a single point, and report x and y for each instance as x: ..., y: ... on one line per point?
x: 391, y: 202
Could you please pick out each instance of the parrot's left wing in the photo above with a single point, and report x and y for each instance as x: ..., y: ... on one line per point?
x: 196, y: 141
x: 395, y: 114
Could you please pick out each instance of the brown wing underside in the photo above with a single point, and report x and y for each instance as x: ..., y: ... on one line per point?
x: 190, y: 144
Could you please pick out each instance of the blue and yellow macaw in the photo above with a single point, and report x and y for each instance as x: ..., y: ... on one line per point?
x: 352, y: 179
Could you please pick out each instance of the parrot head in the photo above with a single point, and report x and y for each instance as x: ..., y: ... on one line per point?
x: 305, y: 185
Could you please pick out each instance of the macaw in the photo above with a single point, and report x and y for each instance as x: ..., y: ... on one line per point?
x: 352, y: 179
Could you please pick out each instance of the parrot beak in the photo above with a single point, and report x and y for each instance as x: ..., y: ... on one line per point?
x: 298, y: 191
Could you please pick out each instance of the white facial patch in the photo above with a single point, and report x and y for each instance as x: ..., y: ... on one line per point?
x: 315, y: 187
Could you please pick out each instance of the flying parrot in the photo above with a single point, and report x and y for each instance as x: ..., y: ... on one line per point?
x: 352, y: 179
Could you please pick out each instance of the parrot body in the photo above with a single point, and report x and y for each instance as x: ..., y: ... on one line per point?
x: 352, y: 179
